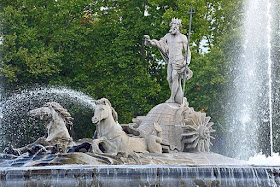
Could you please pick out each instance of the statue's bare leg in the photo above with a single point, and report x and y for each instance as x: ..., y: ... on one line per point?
x: 169, y: 75
x: 174, y: 86
x: 170, y: 82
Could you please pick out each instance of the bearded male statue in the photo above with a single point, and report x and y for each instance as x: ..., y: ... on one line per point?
x: 174, y: 50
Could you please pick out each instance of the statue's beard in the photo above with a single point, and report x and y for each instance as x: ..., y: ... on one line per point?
x: 174, y: 31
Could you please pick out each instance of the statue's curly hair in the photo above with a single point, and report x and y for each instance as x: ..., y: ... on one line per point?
x: 63, y: 112
x: 176, y: 21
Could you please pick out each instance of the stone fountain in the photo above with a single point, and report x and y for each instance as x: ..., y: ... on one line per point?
x: 170, y: 146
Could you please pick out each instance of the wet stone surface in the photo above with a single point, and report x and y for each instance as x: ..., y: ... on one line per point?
x: 153, y: 175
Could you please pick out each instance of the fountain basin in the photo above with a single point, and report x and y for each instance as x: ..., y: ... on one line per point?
x: 141, y: 175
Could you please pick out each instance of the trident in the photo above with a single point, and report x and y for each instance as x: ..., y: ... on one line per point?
x: 189, y: 37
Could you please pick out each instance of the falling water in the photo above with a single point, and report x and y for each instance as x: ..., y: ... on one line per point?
x: 269, y: 73
x: 251, y: 99
x: 47, y: 93
x: 145, y: 175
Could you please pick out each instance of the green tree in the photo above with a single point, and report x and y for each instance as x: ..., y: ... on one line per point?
x: 121, y: 71
x: 36, y: 36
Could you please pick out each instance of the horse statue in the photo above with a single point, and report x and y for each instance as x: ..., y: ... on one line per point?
x: 110, y: 137
x: 57, y: 120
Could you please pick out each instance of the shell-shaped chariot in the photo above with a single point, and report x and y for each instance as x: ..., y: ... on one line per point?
x: 183, y: 129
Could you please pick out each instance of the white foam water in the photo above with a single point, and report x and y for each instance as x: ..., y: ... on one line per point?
x: 261, y: 159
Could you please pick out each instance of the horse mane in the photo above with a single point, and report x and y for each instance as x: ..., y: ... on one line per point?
x: 104, y: 101
x: 63, y: 112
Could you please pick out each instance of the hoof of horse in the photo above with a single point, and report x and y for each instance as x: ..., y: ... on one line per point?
x: 37, y: 149
x: 54, y: 149
x: 57, y: 149
x: 122, y: 154
x: 10, y: 150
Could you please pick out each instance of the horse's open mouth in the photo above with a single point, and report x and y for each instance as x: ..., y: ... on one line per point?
x: 35, y: 115
x: 94, y: 120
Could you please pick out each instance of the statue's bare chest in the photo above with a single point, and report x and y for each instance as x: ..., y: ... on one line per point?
x: 175, y: 44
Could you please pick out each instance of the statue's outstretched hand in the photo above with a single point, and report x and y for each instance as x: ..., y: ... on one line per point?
x: 147, y: 40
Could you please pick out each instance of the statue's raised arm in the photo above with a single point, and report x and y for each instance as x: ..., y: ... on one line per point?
x: 174, y: 50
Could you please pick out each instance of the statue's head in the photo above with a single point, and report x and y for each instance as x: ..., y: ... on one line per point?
x: 48, y: 111
x: 102, y: 111
x: 175, y: 26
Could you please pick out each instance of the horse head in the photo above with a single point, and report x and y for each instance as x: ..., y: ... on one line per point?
x: 103, y: 110
x: 42, y: 113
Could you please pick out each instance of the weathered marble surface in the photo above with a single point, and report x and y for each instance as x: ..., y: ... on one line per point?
x: 132, y: 159
x: 182, y: 128
x: 190, y: 159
